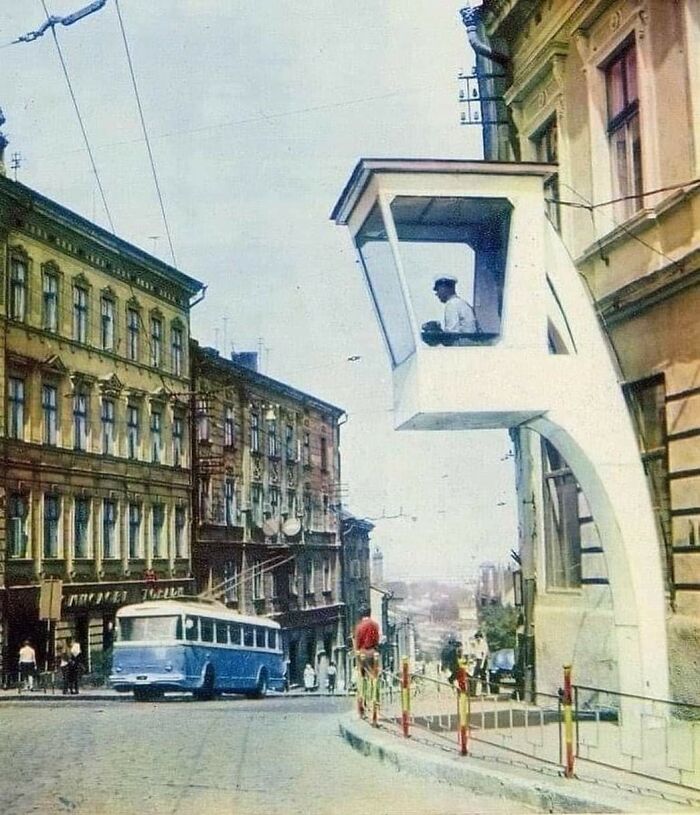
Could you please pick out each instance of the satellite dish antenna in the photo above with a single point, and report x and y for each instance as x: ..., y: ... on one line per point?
x: 291, y: 527
x: 271, y: 526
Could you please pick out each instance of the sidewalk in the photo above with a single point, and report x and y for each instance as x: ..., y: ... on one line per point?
x: 493, y: 771
x: 103, y: 694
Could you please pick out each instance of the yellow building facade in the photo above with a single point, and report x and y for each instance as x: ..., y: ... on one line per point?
x: 95, y: 458
x: 609, y: 93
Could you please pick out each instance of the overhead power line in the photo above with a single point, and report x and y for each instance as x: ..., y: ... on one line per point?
x: 145, y: 131
x: 80, y: 120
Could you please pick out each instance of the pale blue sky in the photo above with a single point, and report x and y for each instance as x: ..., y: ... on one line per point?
x: 257, y: 113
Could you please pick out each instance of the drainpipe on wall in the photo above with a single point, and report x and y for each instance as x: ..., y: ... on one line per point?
x: 491, y: 84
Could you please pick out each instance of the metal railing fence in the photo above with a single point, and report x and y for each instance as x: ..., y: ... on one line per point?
x: 654, y: 738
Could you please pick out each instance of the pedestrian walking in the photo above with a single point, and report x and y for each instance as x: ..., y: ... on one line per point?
x: 75, y: 665
x: 64, y: 661
x: 332, y: 675
x: 309, y: 678
x: 480, y: 653
x: 27, y: 666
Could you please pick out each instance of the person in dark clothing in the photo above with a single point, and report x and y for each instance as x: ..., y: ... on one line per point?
x: 450, y: 657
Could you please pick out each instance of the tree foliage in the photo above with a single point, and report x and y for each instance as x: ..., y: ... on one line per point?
x: 498, y: 624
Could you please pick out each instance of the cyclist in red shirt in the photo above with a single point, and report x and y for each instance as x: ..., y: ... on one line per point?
x: 366, y: 642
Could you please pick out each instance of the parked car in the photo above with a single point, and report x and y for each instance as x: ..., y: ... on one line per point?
x: 501, y: 667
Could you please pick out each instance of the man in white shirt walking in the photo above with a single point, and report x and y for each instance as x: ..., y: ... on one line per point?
x: 27, y: 666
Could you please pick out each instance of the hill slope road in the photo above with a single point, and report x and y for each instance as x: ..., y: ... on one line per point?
x: 278, y: 756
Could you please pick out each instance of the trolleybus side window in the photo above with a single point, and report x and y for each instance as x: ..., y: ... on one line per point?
x: 207, y: 629
x: 259, y: 637
x: 191, y: 628
x: 248, y: 638
x: 271, y: 638
x: 234, y: 632
x: 221, y: 632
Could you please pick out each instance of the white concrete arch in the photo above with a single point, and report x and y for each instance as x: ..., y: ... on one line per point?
x: 573, y: 399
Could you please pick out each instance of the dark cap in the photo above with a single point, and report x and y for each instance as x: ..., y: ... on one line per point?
x: 445, y: 279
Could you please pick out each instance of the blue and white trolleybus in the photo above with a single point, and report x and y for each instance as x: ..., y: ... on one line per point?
x: 197, y: 646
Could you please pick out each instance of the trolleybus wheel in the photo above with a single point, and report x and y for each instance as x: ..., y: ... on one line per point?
x: 206, y: 692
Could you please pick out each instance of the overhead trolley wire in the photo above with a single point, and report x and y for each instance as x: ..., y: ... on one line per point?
x: 80, y: 121
x: 145, y: 131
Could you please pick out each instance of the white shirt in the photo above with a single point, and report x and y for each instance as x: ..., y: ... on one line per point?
x: 75, y: 649
x: 27, y: 654
x: 459, y: 317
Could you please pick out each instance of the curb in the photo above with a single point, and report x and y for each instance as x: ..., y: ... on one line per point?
x: 523, y: 786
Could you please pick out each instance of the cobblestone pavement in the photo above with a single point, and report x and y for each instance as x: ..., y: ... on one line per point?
x: 179, y: 757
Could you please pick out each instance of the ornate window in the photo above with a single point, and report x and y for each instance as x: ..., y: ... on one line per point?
x: 178, y: 440
x: 49, y: 310
x: 272, y: 450
x: 49, y: 409
x: 180, y: 537
x: 156, y: 435
x: 108, y: 426
x: 156, y: 341
x: 229, y: 502
x: 547, y: 150
x: 81, y: 523
x: 109, y: 527
x: 133, y: 422
x: 15, y: 408
x: 289, y: 445
x: 134, y: 530
x: 80, y: 419
x: 52, y: 515
x: 80, y: 314
x: 133, y: 328
x: 157, y: 538
x: 624, y: 129
x: 107, y: 323
x: 254, y: 432
x: 203, y: 424
x: 18, y: 288
x: 177, y: 349
x: 17, y: 533
x: 229, y: 426
x: 562, y: 522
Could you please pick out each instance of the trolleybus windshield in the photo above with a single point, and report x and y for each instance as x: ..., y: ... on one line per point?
x: 148, y: 629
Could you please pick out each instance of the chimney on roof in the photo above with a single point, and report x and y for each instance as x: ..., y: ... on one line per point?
x: 3, y: 144
x: 248, y: 359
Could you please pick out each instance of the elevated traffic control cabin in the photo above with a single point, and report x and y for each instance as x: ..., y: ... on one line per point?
x: 532, y: 355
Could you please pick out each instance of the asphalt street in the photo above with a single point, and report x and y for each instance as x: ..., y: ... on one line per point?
x: 249, y: 757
